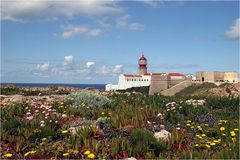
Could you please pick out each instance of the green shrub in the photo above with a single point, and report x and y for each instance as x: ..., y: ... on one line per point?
x: 87, y: 98
x: 143, y: 141
x: 12, y: 124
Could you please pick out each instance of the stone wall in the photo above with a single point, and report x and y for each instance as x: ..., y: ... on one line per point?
x: 231, y: 77
x: 217, y: 76
x: 177, y: 88
x: 158, y: 83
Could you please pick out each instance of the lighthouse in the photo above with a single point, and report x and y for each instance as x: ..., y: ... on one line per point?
x: 142, y: 62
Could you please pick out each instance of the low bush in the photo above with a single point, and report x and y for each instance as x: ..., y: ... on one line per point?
x: 87, y: 98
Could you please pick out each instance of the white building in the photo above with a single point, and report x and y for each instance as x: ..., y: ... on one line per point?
x: 139, y: 80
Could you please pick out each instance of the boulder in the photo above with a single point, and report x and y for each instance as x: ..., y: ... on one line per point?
x: 18, y: 98
x: 162, y: 134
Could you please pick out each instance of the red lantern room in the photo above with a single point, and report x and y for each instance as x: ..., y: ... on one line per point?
x: 142, y: 62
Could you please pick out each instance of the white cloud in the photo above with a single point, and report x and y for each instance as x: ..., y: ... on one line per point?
x: 152, y: 3
x: 22, y: 10
x: 103, y: 22
x: 136, y: 26
x: 123, y: 22
x: 43, y: 67
x: 90, y: 64
x: 118, y: 69
x: 233, y: 32
x: 68, y: 59
x: 94, y: 32
x: 72, y: 31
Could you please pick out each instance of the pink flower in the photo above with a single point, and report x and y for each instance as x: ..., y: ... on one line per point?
x: 47, y: 114
x: 64, y: 115
x: 42, y: 106
x: 29, y: 118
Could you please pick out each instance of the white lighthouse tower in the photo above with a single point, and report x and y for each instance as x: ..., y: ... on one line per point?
x: 142, y: 62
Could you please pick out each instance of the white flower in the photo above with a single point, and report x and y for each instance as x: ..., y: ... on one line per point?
x: 159, y: 114
x: 178, y: 128
x: 36, y: 111
x: 43, y: 112
x: 46, y: 117
x: 50, y: 120
x: 42, y: 125
x: 42, y: 122
x: 64, y: 115
x: 56, y: 121
x: 26, y: 108
x: 28, y: 113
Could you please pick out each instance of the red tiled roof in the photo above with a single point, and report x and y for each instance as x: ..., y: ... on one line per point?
x: 132, y: 75
x: 153, y: 74
x: 175, y: 74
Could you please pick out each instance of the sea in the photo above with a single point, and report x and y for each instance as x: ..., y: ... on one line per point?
x: 82, y: 86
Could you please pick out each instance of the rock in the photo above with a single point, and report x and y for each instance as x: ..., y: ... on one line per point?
x: 162, y: 135
x: 131, y: 158
x: 18, y: 98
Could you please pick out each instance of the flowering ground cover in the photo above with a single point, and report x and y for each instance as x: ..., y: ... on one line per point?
x: 87, y: 125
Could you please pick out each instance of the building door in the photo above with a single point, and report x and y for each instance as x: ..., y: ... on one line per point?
x: 202, y: 79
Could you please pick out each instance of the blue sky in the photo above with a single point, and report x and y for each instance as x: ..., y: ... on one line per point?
x: 95, y: 41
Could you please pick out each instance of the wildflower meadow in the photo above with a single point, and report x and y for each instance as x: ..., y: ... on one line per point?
x: 86, y: 125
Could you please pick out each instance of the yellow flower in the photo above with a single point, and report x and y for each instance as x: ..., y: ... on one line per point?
x: 188, y: 121
x: 92, y: 156
x: 192, y: 127
x: 65, y: 154
x: 233, y: 139
x: 236, y: 129
x: 206, y: 125
x: 217, y: 141
x: 32, y: 152
x: 36, y: 130
x: 87, y: 152
x: 26, y: 154
x: 64, y: 131
x: 102, y: 113
x: 196, y: 145
x: 203, y: 135
x: 199, y: 128
x: 75, y: 152
x: 222, y: 129
x: 208, y: 146
x: 225, y: 121
x: 200, y: 137
x: 233, y: 133
x: 219, y: 123
x: 223, y: 134
x: 212, y: 144
x: 44, y: 139
x: 8, y: 155
x: 188, y: 124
